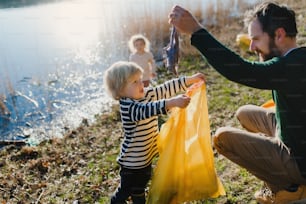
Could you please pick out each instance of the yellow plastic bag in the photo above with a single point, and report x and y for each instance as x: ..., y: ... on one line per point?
x: 243, y: 41
x: 268, y: 104
x: 185, y: 169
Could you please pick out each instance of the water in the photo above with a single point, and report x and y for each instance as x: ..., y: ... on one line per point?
x: 52, y: 58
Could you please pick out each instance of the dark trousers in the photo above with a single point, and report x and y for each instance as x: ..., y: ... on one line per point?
x: 132, y: 183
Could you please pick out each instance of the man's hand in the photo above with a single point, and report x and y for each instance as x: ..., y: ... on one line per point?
x: 183, y: 20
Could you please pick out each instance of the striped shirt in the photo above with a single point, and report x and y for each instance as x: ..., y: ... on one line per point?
x: 140, y: 123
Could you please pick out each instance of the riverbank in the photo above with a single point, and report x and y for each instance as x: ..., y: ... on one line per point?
x: 81, y: 167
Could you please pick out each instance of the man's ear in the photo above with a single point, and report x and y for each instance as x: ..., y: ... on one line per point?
x: 280, y: 34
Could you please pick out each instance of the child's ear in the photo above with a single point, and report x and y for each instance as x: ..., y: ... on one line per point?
x: 119, y: 95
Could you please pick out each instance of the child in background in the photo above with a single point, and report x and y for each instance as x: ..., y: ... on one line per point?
x: 141, y: 55
x: 139, y: 109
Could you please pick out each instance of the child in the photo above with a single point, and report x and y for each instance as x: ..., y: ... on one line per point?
x: 141, y: 55
x: 139, y: 109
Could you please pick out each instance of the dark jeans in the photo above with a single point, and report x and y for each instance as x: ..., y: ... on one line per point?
x: 133, y: 183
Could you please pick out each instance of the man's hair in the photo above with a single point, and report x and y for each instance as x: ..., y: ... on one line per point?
x: 271, y: 17
x: 117, y: 76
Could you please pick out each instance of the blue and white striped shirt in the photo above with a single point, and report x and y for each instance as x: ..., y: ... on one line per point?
x: 140, y: 123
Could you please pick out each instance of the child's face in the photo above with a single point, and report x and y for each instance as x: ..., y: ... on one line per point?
x: 134, y: 87
x: 139, y: 45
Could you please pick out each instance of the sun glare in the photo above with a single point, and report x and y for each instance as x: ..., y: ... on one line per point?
x: 77, y: 22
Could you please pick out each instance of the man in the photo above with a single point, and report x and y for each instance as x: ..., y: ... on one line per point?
x: 274, y: 146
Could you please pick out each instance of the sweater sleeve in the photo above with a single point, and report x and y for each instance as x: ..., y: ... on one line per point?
x: 277, y: 73
x: 141, y: 111
x: 132, y: 111
x: 168, y: 89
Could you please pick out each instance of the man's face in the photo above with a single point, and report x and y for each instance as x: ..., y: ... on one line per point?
x: 261, y: 43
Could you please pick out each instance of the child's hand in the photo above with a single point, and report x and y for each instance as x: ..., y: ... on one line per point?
x: 195, y: 78
x: 154, y: 75
x: 180, y: 101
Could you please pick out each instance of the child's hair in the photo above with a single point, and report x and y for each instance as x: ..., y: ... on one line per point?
x: 117, y: 75
x: 135, y: 38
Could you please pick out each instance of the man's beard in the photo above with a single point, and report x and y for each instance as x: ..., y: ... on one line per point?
x: 274, y: 52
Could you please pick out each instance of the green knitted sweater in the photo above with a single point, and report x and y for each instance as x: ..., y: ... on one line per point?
x: 285, y: 76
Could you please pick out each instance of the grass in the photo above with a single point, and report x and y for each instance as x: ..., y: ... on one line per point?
x: 81, y: 166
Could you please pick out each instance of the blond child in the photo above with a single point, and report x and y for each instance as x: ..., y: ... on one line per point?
x: 139, y: 46
x: 139, y: 109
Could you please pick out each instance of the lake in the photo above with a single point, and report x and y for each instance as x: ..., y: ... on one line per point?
x: 53, y: 55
